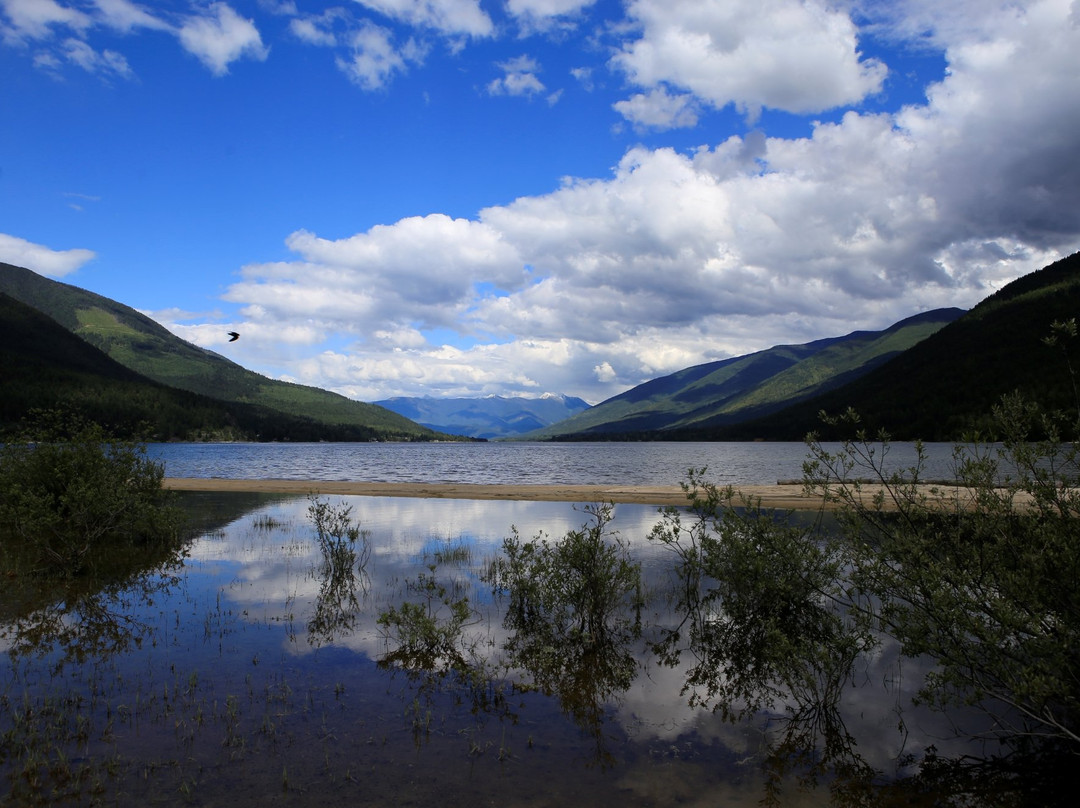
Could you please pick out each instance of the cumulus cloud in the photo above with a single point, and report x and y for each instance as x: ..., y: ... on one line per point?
x: 684, y: 257
x: 658, y: 109
x: 375, y: 59
x: 41, y: 259
x: 604, y: 372
x: 219, y: 37
x: 792, y: 55
x: 421, y: 272
x: 675, y: 256
x: 126, y: 16
x: 544, y: 15
x: 546, y: 8
x: 318, y: 30
x: 519, y: 78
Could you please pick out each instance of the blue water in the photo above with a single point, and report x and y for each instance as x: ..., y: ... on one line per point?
x: 513, y: 463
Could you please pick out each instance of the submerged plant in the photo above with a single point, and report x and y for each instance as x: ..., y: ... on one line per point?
x: 345, y: 550
x: 985, y: 585
x: 761, y: 601
x: 574, y: 608
x: 576, y: 585
x: 428, y: 635
x: 341, y: 542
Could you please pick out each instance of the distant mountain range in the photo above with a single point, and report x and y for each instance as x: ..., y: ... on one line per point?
x: 42, y: 367
x: 491, y: 417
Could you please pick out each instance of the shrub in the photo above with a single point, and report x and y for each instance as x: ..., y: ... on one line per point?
x: 980, y: 577
x: 576, y: 586
x: 70, y: 497
x: 984, y: 582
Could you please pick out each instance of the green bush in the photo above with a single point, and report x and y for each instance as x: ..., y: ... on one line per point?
x: 70, y: 497
x: 980, y: 577
x: 985, y: 584
x: 576, y: 586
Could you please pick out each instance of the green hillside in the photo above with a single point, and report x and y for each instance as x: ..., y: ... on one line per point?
x: 745, y: 387
x: 140, y: 344
x: 44, y: 366
x: 944, y: 387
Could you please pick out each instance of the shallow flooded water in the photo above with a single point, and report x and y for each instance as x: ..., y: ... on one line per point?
x: 259, y: 669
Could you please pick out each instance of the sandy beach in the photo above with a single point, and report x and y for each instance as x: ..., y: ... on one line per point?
x: 786, y: 497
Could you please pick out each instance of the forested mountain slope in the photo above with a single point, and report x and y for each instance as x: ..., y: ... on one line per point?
x: 139, y: 343
x: 944, y: 387
x: 46, y: 367
x: 745, y: 387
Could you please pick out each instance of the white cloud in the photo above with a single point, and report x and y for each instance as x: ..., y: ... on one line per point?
x: 108, y: 62
x: 313, y: 30
x: 41, y: 259
x: 421, y: 272
x: 35, y: 19
x: 791, y: 55
x: 658, y: 109
x: 584, y: 76
x: 544, y: 15
x: 219, y: 37
x: 675, y: 257
x: 546, y: 8
x: 450, y: 17
x: 604, y: 372
x: 680, y: 258
x: 519, y: 78
x: 285, y: 8
x: 125, y: 16
x: 375, y: 59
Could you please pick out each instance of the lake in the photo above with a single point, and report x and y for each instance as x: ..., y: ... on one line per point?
x: 258, y: 667
x: 254, y: 671
x: 515, y: 462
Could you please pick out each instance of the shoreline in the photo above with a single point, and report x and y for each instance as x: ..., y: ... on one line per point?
x: 772, y: 496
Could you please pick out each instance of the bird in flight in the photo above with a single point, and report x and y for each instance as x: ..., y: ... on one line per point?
x: 233, y: 336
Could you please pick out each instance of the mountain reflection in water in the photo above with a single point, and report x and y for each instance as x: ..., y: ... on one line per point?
x: 256, y: 663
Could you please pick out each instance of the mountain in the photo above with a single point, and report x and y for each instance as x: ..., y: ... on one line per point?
x: 490, y: 417
x: 44, y: 366
x: 944, y: 387
x: 142, y: 345
x: 746, y: 387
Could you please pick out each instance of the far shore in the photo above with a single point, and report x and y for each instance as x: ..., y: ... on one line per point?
x: 786, y: 496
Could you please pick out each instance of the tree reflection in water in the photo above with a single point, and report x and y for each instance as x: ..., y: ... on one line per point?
x: 427, y: 640
x: 93, y: 615
x: 573, y: 610
x: 761, y: 628
x: 345, y: 550
x: 750, y: 636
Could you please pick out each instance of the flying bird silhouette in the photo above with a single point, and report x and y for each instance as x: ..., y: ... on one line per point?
x: 233, y: 336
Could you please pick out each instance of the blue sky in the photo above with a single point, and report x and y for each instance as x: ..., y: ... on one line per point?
x: 465, y: 198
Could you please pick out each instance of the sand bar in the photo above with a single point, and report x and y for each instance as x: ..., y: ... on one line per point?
x: 787, y: 497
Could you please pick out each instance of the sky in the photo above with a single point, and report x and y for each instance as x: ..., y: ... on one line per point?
x: 456, y: 198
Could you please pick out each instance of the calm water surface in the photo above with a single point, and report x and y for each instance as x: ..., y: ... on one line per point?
x: 255, y: 674
x: 512, y: 463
